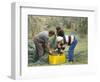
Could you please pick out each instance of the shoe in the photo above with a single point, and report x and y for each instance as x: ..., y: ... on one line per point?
x: 70, y: 61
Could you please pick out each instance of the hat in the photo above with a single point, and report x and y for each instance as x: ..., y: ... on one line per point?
x: 59, y: 38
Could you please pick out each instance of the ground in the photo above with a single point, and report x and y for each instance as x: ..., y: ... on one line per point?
x: 80, y: 54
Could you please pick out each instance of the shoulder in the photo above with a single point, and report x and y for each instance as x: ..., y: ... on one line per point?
x: 43, y: 32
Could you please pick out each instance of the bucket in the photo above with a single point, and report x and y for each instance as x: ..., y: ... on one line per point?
x: 57, y: 58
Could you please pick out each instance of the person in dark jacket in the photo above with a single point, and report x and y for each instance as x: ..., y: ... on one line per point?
x: 60, y: 32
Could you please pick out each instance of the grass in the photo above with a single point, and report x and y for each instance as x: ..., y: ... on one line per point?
x: 80, y: 55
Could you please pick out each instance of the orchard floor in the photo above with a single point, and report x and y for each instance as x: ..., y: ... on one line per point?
x: 80, y: 55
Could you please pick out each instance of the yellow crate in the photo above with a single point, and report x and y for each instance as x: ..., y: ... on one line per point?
x: 57, y: 58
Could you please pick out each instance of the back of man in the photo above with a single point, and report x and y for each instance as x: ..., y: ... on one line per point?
x: 43, y: 36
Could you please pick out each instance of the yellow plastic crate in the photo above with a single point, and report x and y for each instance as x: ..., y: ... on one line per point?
x: 57, y: 58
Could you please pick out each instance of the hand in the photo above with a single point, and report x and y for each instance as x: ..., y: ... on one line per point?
x: 50, y: 52
x: 59, y: 46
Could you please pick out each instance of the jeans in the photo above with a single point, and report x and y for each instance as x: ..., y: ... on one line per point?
x: 71, y: 50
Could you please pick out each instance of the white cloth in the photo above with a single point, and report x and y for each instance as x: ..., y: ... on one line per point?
x: 67, y: 38
x: 59, y: 38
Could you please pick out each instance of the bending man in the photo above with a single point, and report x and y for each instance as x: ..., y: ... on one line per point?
x: 41, y: 42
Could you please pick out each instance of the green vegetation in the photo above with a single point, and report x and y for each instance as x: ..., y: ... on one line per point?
x: 71, y: 25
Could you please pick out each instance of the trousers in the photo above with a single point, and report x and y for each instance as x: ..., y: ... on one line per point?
x: 71, y: 50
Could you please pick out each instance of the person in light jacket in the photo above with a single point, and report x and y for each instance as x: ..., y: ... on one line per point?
x: 41, y: 42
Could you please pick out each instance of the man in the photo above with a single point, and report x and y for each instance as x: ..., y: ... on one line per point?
x: 60, y: 32
x: 41, y: 42
x: 60, y: 45
x: 70, y: 40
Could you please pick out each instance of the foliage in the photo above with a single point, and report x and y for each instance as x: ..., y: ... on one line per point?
x: 40, y: 23
x: 31, y: 52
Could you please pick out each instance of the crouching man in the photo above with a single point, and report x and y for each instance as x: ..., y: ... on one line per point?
x: 60, y: 45
x: 41, y: 42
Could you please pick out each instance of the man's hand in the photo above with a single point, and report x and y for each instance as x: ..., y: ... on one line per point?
x: 50, y: 52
